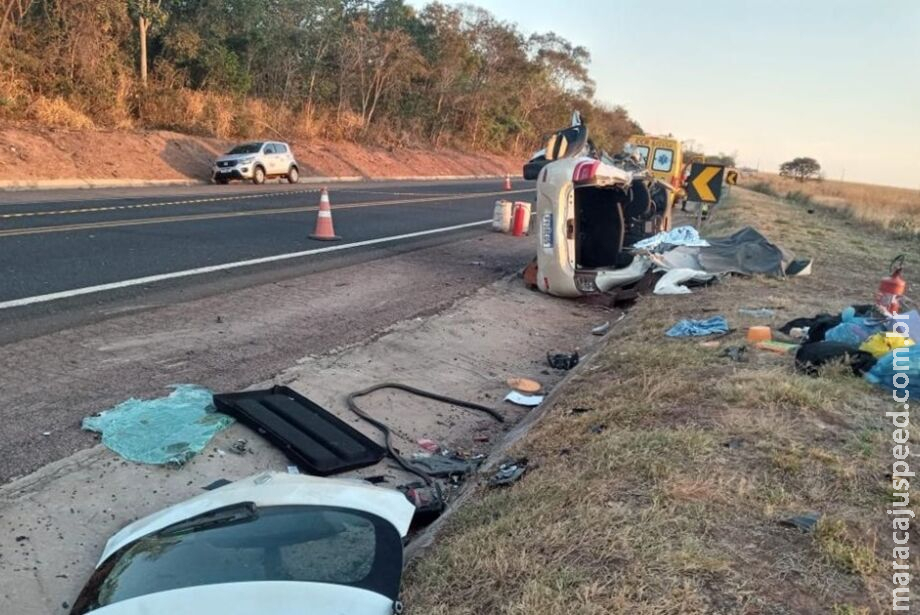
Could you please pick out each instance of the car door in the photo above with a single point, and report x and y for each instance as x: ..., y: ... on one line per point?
x: 270, y: 159
x: 284, y: 158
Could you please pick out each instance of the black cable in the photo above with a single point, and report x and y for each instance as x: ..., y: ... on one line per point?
x: 353, y: 406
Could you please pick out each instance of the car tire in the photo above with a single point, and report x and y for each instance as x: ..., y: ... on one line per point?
x: 258, y: 176
x: 293, y: 175
x: 223, y: 181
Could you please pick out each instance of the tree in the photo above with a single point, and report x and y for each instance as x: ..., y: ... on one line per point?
x: 147, y: 13
x: 800, y: 168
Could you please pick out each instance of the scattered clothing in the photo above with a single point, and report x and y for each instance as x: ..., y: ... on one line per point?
x: 884, y: 374
x: 806, y: 523
x: 164, y: 431
x: 880, y: 344
x: 809, y: 358
x: 909, y: 324
x: 680, y: 236
x: 697, y: 328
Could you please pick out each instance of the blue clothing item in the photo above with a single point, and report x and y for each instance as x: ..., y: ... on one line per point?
x: 884, y: 373
x: 698, y: 328
x: 168, y: 430
x: 680, y: 236
x: 910, y: 325
x: 853, y: 330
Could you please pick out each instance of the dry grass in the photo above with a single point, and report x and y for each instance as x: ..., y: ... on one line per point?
x: 894, y: 208
x: 674, y: 505
x: 57, y: 112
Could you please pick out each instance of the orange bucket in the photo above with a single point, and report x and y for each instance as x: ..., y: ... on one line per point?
x: 758, y: 334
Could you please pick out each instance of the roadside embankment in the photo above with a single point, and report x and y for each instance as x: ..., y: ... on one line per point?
x: 40, y: 157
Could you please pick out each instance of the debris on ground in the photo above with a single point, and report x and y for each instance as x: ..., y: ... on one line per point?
x: 441, y: 466
x: 562, y: 360
x: 777, y: 347
x: 164, y: 431
x: 697, y: 328
x: 806, y: 523
x: 757, y: 312
x: 811, y: 357
x: 524, y: 385
x: 240, y: 447
x: 509, y: 472
x: 521, y: 399
x: 429, y: 445
x: 220, y: 482
x: 758, y: 333
x: 672, y: 282
x: 601, y: 329
x: 428, y: 500
x: 735, y: 353
x: 678, y: 236
x: 312, y: 437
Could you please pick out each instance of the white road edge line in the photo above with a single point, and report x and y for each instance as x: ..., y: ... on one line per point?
x: 76, y: 292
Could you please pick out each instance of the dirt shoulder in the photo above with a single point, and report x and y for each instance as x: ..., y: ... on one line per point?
x: 32, y: 154
x: 664, y: 469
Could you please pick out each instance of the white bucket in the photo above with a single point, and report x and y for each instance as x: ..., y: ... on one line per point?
x: 527, y: 209
x: 501, y: 217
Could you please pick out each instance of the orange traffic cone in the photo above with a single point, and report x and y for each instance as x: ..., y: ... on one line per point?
x: 507, y: 181
x: 324, y: 230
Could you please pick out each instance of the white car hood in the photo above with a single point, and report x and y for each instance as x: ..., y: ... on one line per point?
x: 227, y: 157
x: 276, y: 489
x: 263, y: 597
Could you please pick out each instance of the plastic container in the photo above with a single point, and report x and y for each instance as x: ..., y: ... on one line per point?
x: 501, y: 216
x: 758, y: 334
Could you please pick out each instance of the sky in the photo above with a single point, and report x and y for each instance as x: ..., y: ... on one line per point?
x: 769, y: 80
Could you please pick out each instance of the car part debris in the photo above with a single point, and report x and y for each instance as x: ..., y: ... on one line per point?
x: 805, y: 523
x: 164, y: 431
x: 442, y: 466
x: 220, y: 482
x: 428, y: 501
x: 519, y: 399
x: 240, y: 447
x: 601, y: 329
x: 509, y: 473
x: 562, y: 360
x: 313, y: 438
x: 429, y: 445
x: 385, y: 430
x: 524, y: 385
x: 285, y: 541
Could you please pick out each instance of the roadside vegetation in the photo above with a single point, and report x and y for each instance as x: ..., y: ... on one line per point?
x: 376, y: 72
x: 891, y: 208
x: 665, y: 469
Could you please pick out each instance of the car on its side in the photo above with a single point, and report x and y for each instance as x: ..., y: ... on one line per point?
x: 257, y: 161
x: 273, y: 544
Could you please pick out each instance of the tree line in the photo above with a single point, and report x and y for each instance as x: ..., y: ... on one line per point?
x: 377, y: 71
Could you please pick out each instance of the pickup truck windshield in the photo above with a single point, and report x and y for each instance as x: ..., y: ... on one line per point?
x: 281, y: 543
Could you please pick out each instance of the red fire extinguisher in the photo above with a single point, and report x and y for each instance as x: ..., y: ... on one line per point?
x: 892, y: 288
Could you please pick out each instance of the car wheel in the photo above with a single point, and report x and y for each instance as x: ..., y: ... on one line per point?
x: 293, y: 176
x: 258, y: 176
x: 222, y: 181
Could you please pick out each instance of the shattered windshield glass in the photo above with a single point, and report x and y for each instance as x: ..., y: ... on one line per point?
x: 246, y: 148
x: 283, y: 543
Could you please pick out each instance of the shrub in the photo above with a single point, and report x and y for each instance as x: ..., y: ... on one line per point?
x: 763, y: 188
x: 56, y: 112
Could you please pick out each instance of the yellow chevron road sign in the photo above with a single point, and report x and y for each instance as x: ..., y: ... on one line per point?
x: 704, y: 183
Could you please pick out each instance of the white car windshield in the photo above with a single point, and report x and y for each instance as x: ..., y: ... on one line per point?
x: 246, y: 148
x: 243, y: 543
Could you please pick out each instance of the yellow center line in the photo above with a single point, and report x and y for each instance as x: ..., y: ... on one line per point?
x: 62, y: 228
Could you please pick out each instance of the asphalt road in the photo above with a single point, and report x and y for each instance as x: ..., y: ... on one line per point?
x: 65, y: 358
x: 55, y: 246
